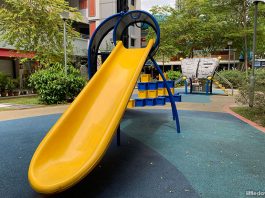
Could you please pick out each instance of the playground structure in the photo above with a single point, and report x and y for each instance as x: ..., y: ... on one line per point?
x: 80, y: 138
x: 153, y: 93
x: 199, y: 73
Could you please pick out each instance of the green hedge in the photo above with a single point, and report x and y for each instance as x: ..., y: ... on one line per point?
x: 259, y: 102
x: 173, y: 75
x: 54, y: 86
x: 237, y: 78
x: 3, y: 81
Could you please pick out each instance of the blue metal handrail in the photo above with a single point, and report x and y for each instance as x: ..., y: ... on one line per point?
x: 98, y: 29
x: 171, y: 98
x: 137, y: 19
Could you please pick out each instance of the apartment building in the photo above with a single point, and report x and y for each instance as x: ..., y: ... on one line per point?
x: 93, y: 13
x: 81, y: 44
x: 9, y: 58
x: 99, y: 10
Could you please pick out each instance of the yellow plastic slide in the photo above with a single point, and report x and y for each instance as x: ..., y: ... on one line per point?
x: 79, y: 139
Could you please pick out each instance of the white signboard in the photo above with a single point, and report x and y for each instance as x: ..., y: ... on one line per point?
x: 199, y: 67
x: 189, y: 67
x: 207, y: 67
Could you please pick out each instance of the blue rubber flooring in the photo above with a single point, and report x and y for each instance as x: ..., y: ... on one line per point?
x: 216, y: 155
x: 220, y: 155
x: 215, y: 91
x: 196, y: 98
x: 193, y: 98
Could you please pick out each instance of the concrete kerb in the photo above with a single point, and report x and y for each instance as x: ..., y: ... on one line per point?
x: 227, y: 109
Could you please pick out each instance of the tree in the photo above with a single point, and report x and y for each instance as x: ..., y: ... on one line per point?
x: 36, y: 26
x: 194, y: 26
x: 208, y: 25
x: 166, y: 48
x: 237, y: 15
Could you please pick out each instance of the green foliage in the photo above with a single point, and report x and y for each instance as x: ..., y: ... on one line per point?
x: 3, y: 81
x: 54, y: 86
x: 260, y: 89
x: 10, y: 84
x: 167, y: 49
x: 6, y: 82
x: 253, y: 114
x: 237, y: 78
x: 36, y: 26
x: 208, y: 25
x: 194, y: 26
x: 173, y: 75
x: 259, y: 101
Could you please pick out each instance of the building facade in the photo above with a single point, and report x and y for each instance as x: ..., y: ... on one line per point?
x: 9, y: 58
x: 93, y: 13
x: 99, y: 10
x: 81, y: 44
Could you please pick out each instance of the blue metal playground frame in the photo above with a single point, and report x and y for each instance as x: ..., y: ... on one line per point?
x: 135, y: 17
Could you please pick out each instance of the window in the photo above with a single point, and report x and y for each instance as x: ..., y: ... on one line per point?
x: 132, y: 42
x: 132, y: 2
x: 83, y: 4
x: 122, y: 5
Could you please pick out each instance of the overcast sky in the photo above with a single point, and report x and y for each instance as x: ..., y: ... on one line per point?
x: 147, y: 4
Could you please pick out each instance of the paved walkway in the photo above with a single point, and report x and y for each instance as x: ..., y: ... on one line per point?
x: 214, y: 103
x: 32, y: 112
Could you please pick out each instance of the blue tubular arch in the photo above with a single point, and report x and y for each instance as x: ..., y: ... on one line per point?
x: 119, y: 23
x: 102, y: 30
x: 133, y: 17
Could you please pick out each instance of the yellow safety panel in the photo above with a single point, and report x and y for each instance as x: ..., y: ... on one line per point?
x: 160, y: 77
x: 161, y: 92
x: 171, y: 89
x: 145, y: 78
x: 142, y: 94
x: 152, y: 93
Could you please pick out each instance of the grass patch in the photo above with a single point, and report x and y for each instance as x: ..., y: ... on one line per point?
x: 6, y: 109
x: 33, y: 100
x: 254, y: 114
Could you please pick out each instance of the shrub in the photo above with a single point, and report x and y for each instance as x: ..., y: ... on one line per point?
x: 173, y: 75
x: 54, y: 86
x: 259, y: 101
x: 237, y: 78
x: 3, y: 81
x: 10, y: 84
x: 254, y: 114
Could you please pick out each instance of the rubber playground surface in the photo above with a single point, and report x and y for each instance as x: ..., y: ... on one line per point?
x: 216, y: 155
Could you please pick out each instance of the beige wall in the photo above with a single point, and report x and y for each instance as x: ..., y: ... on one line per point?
x: 106, y: 8
x: 135, y: 32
